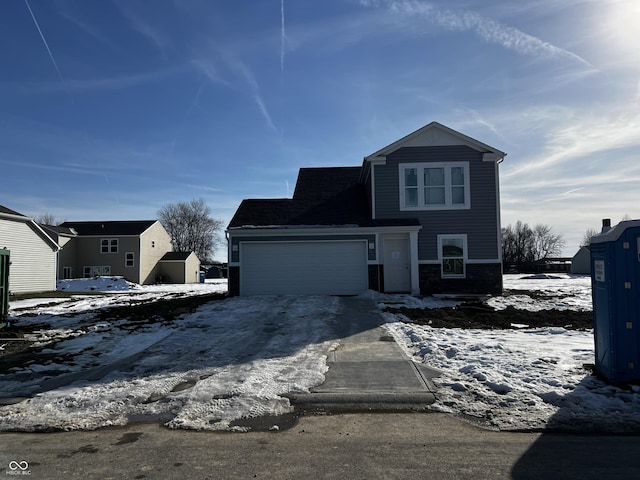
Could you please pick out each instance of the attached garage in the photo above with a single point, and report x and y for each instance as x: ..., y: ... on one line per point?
x: 303, y: 268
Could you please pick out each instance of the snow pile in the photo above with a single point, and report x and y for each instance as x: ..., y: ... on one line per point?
x: 118, y: 285
x: 96, y: 284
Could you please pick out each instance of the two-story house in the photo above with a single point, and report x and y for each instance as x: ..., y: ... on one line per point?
x: 421, y: 215
x: 140, y: 251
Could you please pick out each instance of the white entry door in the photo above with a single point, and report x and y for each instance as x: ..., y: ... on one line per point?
x: 397, y: 267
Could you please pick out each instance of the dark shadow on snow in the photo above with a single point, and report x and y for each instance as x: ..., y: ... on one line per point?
x: 580, y: 443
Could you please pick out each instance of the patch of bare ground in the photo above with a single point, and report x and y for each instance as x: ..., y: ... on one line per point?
x: 482, y: 316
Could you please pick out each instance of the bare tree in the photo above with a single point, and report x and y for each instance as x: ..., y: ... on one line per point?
x: 546, y: 243
x: 523, y: 244
x: 47, y: 219
x: 586, y: 239
x: 191, y: 227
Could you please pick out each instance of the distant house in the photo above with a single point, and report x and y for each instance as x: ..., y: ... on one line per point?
x: 179, y: 267
x: 581, y: 262
x: 421, y: 215
x: 33, y: 253
x: 552, y: 265
x: 131, y: 249
x: 62, y: 236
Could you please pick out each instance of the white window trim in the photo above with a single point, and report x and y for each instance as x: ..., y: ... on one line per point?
x: 465, y: 255
x: 133, y: 259
x: 110, y: 240
x: 67, y: 272
x: 96, y: 270
x: 421, y: 200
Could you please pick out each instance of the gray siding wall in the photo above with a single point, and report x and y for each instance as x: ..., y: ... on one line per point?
x: 480, y: 223
x: 88, y: 253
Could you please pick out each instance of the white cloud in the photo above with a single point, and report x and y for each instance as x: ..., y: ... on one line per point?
x: 489, y: 30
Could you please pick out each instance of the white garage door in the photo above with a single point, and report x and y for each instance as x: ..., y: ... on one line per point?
x: 303, y: 268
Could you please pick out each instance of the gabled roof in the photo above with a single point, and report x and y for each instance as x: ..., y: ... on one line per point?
x: 110, y: 228
x: 436, y: 134
x: 175, y: 256
x: 330, y: 196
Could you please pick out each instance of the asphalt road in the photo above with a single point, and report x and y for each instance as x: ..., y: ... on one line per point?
x: 349, y: 446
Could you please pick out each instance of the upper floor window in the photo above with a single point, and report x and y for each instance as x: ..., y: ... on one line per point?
x: 109, y: 245
x: 434, y: 186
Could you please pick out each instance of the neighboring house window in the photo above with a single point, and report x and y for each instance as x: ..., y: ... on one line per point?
x: 452, y: 253
x: 129, y: 259
x: 153, y: 244
x: 109, y: 245
x: 434, y: 186
x: 96, y: 271
x: 67, y: 272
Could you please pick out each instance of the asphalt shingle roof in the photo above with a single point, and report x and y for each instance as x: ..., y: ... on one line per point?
x: 175, y: 256
x: 113, y: 228
x: 323, y: 196
x: 8, y: 211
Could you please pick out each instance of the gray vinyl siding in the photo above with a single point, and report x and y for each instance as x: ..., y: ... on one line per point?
x: 88, y: 253
x: 480, y: 222
x: 33, y: 260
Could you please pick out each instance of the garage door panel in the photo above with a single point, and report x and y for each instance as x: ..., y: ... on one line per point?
x: 303, y: 268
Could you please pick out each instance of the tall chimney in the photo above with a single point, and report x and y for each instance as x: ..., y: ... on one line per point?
x: 606, y: 225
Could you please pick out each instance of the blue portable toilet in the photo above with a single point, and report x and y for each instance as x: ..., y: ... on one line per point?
x: 615, y: 282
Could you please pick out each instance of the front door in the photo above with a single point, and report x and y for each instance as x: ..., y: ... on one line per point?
x: 397, y: 269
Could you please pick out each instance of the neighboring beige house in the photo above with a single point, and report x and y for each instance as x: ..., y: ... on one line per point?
x: 33, y: 253
x: 179, y: 267
x: 131, y: 249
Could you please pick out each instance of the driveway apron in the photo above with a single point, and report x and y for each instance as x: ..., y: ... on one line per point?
x: 368, y: 370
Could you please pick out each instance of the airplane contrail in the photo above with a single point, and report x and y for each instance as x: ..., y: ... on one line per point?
x: 282, y: 35
x: 53, y: 60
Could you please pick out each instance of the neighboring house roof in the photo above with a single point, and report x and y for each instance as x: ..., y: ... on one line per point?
x: 437, y: 134
x: 175, y: 256
x: 110, y: 228
x: 323, y: 197
x: 63, y: 231
x: 8, y: 211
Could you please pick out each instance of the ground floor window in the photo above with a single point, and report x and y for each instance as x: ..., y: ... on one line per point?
x: 96, y: 271
x: 67, y: 273
x: 452, y: 251
x: 129, y: 259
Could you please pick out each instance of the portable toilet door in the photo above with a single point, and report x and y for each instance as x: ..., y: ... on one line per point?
x: 615, y: 278
x: 4, y: 286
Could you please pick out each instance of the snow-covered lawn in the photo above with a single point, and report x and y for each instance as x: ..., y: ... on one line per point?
x: 235, y: 358
x: 522, y: 379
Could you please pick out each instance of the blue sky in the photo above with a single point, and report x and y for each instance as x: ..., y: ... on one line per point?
x: 111, y: 109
